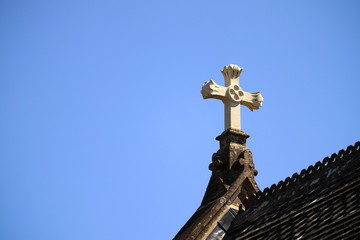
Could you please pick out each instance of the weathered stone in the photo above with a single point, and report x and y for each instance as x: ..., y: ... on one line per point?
x: 231, y: 186
x: 229, y: 162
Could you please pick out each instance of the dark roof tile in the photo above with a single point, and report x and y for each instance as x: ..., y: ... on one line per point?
x: 322, y: 202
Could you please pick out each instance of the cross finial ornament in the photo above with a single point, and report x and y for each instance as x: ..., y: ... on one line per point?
x: 232, y: 96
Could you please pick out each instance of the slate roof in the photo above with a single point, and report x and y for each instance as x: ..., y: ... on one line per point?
x: 322, y: 202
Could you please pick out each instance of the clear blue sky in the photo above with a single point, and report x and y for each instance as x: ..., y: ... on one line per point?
x: 103, y: 130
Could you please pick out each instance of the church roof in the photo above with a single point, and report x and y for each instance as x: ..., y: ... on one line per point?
x: 322, y: 202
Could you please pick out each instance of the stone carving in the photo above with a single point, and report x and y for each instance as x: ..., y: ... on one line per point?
x: 232, y: 167
x: 232, y: 96
x: 211, y: 90
x: 229, y: 162
x: 232, y: 183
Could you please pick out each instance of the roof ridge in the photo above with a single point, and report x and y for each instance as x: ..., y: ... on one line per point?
x: 336, y: 159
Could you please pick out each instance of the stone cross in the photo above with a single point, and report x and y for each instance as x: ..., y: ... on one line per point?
x: 232, y: 96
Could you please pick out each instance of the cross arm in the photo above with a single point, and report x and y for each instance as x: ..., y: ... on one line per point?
x: 211, y: 90
x: 252, y: 100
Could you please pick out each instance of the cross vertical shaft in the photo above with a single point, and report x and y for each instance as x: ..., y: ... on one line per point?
x: 232, y: 115
x: 232, y: 109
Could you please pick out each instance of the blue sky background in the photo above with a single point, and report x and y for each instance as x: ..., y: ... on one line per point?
x: 103, y: 130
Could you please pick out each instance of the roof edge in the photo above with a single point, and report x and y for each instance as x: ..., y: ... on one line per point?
x: 336, y: 159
